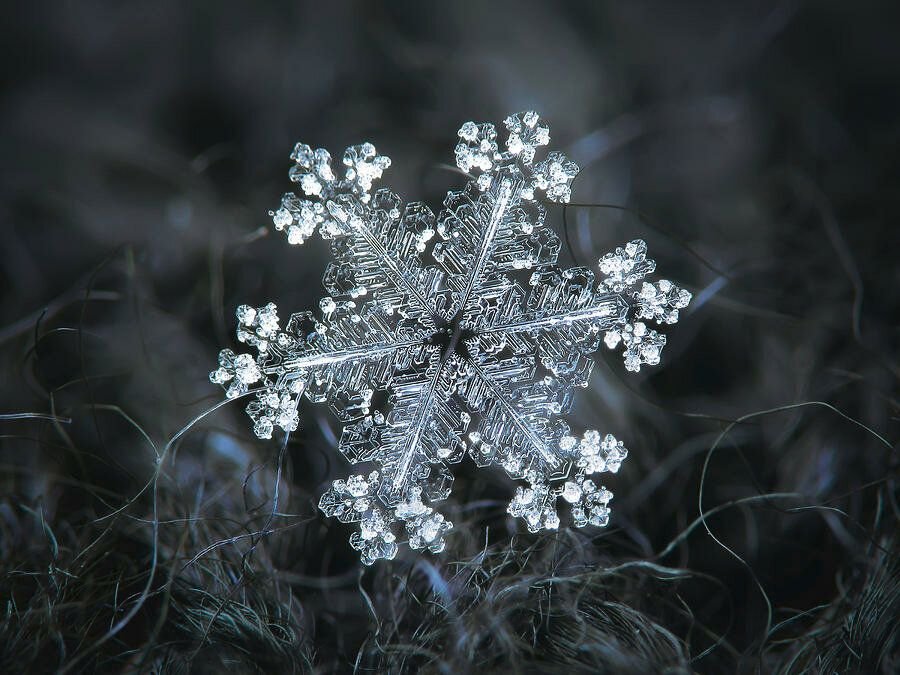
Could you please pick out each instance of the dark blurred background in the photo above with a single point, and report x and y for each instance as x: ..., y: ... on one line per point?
x: 754, y: 146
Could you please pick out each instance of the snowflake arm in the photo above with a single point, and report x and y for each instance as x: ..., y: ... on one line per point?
x: 336, y: 361
x: 420, y: 422
x: 374, y: 246
x: 513, y: 432
x: 382, y: 253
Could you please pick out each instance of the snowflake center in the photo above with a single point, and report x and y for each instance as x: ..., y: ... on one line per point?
x: 451, y: 338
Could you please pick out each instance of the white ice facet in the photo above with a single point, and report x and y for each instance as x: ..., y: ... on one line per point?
x: 435, y: 312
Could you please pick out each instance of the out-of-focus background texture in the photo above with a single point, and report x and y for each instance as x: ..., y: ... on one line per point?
x: 754, y: 146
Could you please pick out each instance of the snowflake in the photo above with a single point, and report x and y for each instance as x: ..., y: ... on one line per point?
x: 465, y: 320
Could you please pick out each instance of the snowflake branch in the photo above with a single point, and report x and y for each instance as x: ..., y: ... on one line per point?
x: 397, y: 472
x: 609, y: 312
x: 322, y: 359
x: 501, y: 398
x: 396, y: 270
x: 498, y: 212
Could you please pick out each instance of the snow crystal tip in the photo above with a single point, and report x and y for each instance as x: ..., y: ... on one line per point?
x: 478, y: 153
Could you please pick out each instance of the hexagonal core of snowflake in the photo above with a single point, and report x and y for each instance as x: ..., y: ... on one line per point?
x: 442, y: 314
x: 452, y: 337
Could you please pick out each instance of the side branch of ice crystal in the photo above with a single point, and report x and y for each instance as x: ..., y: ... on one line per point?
x: 436, y: 312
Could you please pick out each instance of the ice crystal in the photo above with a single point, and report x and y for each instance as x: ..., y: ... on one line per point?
x: 467, y: 322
